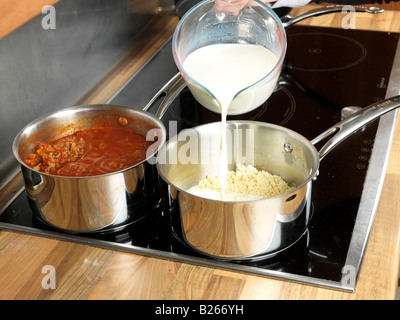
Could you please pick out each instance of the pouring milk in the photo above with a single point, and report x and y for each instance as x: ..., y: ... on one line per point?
x: 226, y: 69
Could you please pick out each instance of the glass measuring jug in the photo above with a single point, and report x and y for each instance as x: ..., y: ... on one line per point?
x: 201, y: 28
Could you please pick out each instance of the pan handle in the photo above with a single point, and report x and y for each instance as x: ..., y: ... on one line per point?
x: 288, y: 20
x: 343, y: 129
x: 169, y: 92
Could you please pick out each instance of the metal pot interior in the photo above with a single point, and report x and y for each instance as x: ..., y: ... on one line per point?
x: 194, y: 153
x: 67, y: 121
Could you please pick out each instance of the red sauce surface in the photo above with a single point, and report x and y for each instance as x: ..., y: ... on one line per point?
x: 90, y: 152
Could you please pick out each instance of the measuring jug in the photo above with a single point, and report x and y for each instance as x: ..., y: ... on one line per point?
x: 254, y: 25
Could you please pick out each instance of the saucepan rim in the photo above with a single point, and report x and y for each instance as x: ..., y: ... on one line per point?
x: 18, y: 140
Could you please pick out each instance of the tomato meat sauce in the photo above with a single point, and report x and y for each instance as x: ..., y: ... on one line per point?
x: 90, y: 152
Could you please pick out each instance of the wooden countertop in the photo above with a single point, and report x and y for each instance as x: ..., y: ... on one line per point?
x: 86, y: 272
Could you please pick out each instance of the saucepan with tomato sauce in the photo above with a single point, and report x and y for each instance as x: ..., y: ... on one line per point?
x: 87, y: 168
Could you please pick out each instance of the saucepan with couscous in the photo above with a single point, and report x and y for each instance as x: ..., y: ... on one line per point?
x: 269, y: 177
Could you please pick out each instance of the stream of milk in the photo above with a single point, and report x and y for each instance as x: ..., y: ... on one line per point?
x: 226, y: 69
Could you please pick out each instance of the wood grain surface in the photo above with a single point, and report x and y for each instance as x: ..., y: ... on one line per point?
x: 87, y: 272
x: 14, y: 14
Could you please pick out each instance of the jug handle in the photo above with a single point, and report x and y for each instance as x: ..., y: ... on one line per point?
x: 169, y: 92
x: 343, y: 129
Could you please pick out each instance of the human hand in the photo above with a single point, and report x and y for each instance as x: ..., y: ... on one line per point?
x: 233, y: 6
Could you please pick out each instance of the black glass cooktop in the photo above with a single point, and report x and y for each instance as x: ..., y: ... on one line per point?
x: 325, y: 70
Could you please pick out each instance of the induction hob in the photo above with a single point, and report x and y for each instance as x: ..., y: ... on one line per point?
x: 325, y: 71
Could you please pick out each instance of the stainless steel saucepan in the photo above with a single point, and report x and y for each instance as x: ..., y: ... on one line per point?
x: 89, y: 203
x: 95, y: 203
x: 249, y: 229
